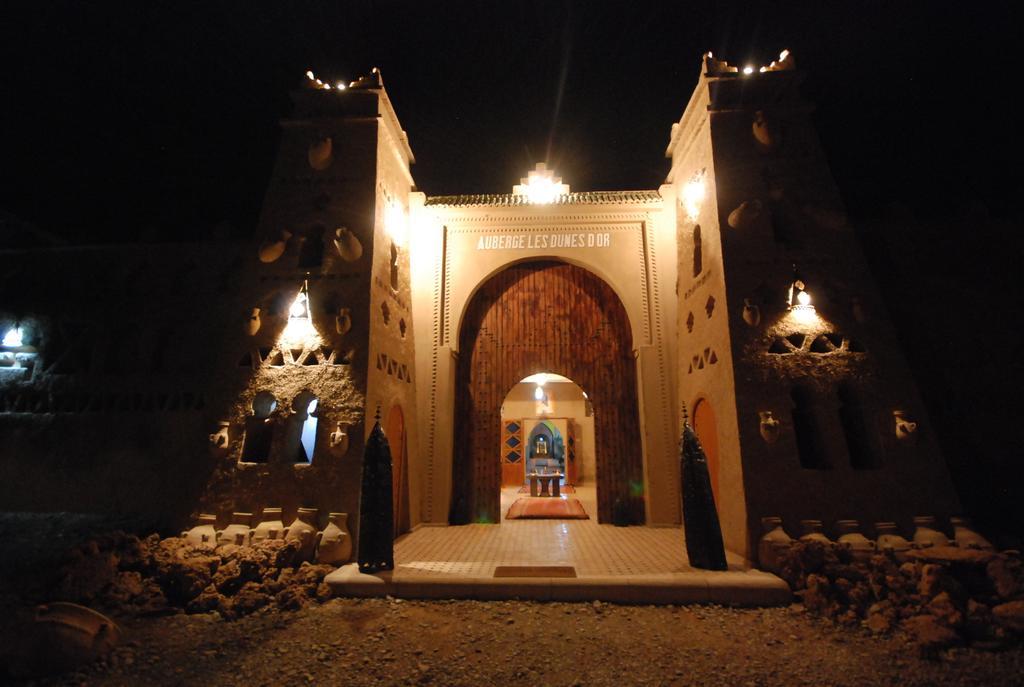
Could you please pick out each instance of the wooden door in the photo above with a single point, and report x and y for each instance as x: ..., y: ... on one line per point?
x: 545, y: 317
x: 706, y: 429
x: 394, y: 429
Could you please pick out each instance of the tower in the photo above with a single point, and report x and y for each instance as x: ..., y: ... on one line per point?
x: 786, y: 355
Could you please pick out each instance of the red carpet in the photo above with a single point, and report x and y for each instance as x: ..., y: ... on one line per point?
x: 565, y: 488
x: 546, y: 508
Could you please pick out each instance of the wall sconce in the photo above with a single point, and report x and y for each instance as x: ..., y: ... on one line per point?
x: 299, y: 309
x: 799, y: 298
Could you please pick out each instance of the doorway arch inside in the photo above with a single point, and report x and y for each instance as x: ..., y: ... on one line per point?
x: 545, y: 316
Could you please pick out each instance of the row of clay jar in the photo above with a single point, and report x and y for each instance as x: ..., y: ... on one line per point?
x: 775, y: 539
x: 332, y: 545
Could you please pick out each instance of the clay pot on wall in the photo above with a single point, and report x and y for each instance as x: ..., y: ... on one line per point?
x: 273, y: 248
x: 773, y: 543
x: 850, y: 538
x: 965, y: 536
x: 335, y: 541
x: 813, y: 532
x: 343, y: 321
x: 925, y: 534
x: 339, y: 440
x: 303, y: 531
x: 220, y: 440
x: 254, y: 323
x: 890, y: 542
x: 905, y: 428
x: 204, y: 532
x: 320, y: 154
x: 770, y: 427
x: 347, y: 245
x: 744, y: 216
x: 751, y: 313
x: 238, y: 532
x: 270, y: 527
x: 762, y: 130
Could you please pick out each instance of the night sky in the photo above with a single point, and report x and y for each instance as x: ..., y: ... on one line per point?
x: 159, y: 120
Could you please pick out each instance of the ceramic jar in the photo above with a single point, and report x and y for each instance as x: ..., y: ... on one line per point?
x: 769, y: 426
x: 925, y: 534
x: 238, y: 532
x: 270, y: 527
x: 335, y: 541
x: 890, y: 542
x: 813, y: 532
x: 774, y: 542
x: 965, y: 536
x: 303, y: 531
x: 850, y: 538
x: 204, y: 532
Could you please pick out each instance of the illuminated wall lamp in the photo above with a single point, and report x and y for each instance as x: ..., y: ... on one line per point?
x: 799, y: 299
x: 299, y: 309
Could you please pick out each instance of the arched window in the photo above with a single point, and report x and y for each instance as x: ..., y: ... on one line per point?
x: 259, y: 429
x: 809, y: 440
x: 394, y: 266
x: 698, y: 251
x: 312, y: 252
x: 302, y: 434
x: 861, y: 434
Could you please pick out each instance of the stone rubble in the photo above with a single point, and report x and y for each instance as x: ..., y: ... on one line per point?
x: 126, y: 575
x: 943, y: 596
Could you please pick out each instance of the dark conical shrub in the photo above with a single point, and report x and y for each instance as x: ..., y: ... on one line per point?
x: 700, y: 519
x: 376, y: 515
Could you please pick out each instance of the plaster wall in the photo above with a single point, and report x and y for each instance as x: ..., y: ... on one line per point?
x: 462, y: 246
x: 803, y: 223
x: 705, y: 360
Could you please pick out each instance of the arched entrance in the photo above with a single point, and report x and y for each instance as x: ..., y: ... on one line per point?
x: 706, y: 429
x: 394, y: 429
x: 554, y: 317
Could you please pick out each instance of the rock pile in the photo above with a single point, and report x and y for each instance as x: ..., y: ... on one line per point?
x: 942, y: 595
x: 126, y: 575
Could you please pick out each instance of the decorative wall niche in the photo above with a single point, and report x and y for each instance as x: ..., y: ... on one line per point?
x: 860, y: 431
x: 709, y: 306
x: 689, y: 323
x: 311, y: 252
x: 394, y: 267
x: 698, y: 251
x: 402, y: 327
x: 301, y: 434
x: 385, y: 312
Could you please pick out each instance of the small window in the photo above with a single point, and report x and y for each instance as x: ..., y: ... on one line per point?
x: 698, y: 251
x: 861, y: 434
x: 810, y: 442
x: 259, y: 429
x: 311, y: 254
x: 302, y: 430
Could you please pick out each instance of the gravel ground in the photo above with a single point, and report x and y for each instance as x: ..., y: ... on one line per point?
x: 382, y: 641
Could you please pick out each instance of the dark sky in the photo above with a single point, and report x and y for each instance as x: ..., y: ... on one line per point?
x: 123, y: 116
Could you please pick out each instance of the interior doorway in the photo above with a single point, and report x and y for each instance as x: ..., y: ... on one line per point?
x: 554, y: 318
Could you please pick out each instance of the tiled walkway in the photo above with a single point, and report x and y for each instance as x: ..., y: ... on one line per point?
x: 595, y: 550
x: 621, y: 564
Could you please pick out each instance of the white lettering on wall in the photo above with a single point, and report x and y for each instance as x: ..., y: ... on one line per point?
x: 544, y: 241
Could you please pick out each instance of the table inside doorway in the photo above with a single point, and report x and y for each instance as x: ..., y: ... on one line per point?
x: 550, y: 485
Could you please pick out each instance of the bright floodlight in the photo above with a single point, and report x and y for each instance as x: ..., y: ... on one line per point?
x: 299, y: 309
x: 541, y: 185
x: 693, y: 195
x: 13, y: 338
x: 538, y: 393
x: 748, y: 69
